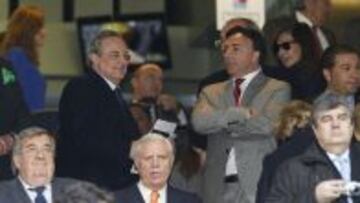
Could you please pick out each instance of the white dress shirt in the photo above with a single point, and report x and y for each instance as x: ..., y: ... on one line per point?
x: 32, y: 194
x: 231, y: 168
x: 146, y: 193
x: 343, y: 165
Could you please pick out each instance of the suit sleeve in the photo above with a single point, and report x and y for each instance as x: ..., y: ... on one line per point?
x: 209, y: 118
x: 262, y: 122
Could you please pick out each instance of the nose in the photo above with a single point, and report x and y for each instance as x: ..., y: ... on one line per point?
x: 155, y: 162
x: 40, y: 154
x: 335, y: 123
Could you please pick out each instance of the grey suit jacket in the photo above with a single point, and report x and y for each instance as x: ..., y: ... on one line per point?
x: 12, y: 191
x: 226, y: 125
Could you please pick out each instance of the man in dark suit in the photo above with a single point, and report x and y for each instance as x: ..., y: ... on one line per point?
x: 237, y: 117
x: 153, y: 156
x: 96, y: 127
x: 33, y: 159
x: 323, y: 172
x: 314, y: 13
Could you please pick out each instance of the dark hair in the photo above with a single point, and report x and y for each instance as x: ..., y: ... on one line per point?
x: 329, y: 56
x: 254, y: 35
x: 303, y: 35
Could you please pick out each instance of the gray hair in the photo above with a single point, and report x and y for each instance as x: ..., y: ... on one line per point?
x: 28, y: 133
x: 328, y: 101
x: 95, y: 45
x: 138, y: 144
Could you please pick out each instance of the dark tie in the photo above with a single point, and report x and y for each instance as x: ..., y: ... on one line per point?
x: 39, y: 194
x: 237, y: 91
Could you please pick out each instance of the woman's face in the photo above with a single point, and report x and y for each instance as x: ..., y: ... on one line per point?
x: 40, y: 37
x: 287, y: 50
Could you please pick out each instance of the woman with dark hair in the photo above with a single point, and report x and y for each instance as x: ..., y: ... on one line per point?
x: 295, y: 50
x: 24, y: 36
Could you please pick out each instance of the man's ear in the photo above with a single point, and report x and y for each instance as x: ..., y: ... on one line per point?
x: 327, y: 75
x: 16, y: 161
x: 93, y: 58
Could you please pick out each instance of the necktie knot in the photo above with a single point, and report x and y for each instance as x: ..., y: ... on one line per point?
x: 39, y: 194
x: 154, y: 197
x: 38, y: 190
x: 238, y: 82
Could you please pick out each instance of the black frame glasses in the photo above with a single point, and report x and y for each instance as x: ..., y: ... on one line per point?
x: 285, y: 46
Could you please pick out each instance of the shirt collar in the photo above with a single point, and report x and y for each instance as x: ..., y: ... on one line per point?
x: 111, y: 84
x: 146, y: 192
x: 301, y: 18
x: 248, y: 77
x: 343, y: 156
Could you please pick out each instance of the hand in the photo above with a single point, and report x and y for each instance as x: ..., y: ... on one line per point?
x: 6, y: 144
x: 329, y: 190
x: 168, y: 102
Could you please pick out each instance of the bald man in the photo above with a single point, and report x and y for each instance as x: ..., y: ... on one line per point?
x: 147, y: 85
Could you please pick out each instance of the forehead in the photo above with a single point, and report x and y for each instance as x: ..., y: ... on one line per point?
x: 346, y: 58
x: 111, y: 43
x: 334, y: 112
x: 285, y: 36
x: 41, y: 139
x: 238, y: 38
x: 155, y: 147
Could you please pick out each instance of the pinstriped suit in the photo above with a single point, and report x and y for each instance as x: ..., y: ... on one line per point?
x: 226, y: 125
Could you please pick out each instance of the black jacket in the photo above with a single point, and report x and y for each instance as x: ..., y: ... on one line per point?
x: 96, y: 132
x: 296, y: 179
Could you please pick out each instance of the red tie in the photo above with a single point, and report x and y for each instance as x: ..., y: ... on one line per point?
x: 237, y: 91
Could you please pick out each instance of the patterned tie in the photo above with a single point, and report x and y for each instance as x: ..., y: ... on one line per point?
x: 154, y: 197
x: 237, y: 91
x: 39, y: 194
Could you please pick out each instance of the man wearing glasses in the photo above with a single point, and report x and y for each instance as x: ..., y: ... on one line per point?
x: 237, y: 117
x: 96, y: 126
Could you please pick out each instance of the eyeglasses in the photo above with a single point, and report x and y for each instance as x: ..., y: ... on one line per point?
x: 285, y: 46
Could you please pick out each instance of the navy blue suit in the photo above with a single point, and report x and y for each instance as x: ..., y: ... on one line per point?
x: 96, y: 131
x: 132, y: 194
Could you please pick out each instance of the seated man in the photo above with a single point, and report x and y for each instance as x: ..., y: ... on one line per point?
x: 147, y: 85
x: 33, y: 159
x: 153, y: 156
x: 321, y: 173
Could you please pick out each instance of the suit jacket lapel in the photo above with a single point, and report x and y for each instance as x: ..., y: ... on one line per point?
x: 253, y: 88
x: 19, y: 192
x: 229, y: 96
x: 135, y: 193
x: 170, y: 195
